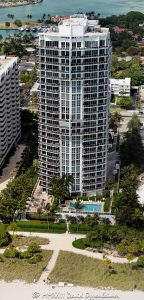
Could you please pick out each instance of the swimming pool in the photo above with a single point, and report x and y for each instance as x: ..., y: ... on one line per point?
x: 87, y: 207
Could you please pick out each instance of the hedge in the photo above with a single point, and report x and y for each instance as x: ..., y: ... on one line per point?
x: 41, y: 217
x: 41, y: 227
x: 79, y: 244
x: 107, y: 205
x: 80, y: 228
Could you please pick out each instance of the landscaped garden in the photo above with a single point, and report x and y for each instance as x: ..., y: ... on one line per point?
x: 117, y: 241
x: 85, y: 271
x: 23, y: 268
x: 22, y: 257
x: 20, y: 240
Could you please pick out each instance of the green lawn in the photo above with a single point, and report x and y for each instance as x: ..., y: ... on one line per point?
x: 20, y: 269
x: 20, y: 241
x: 85, y: 271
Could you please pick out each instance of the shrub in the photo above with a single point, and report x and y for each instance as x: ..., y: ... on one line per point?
x: 107, y: 205
x: 121, y: 249
x: 1, y: 258
x: 130, y: 256
x: 4, y: 236
x: 7, y: 24
x: 140, y: 262
x: 25, y: 255
x: 18, y: 23
x: 99, y: 197
x: 125, y: 102
x: 92, y: 198
x: 79, y: 243
x: 33, y: 248
x: 80, y: 228
x: 62, y: 221
x: 35, y: 259
x: 39, y: 216
x: 10, y: 253
x: 84, y: 198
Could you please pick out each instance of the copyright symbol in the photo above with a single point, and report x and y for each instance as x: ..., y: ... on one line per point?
x: 36, y: 295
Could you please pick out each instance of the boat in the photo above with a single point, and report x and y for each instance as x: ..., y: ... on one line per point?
x: 34, y: 29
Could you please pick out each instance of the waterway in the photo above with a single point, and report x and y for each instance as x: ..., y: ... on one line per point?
x: 67, y: 7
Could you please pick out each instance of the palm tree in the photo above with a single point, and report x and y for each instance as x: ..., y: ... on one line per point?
x: 77, y: 206
x: 47, y: 209
x: 13, y: 226
x: 138, y: 215
x: 60, y: 187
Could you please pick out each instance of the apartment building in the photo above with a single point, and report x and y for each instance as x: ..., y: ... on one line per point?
x: 120, y: 87
x: 74, y: 96
x: 10, y: 129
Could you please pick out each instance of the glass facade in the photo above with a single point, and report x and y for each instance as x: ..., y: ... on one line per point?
x: 73, y: 108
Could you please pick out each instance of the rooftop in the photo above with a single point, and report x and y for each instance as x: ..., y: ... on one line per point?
x: 126, y: 80
x: 76, y: 25
x: 6, y: 62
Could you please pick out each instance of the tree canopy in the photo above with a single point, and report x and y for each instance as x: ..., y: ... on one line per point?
x: 4, y: 236
x: 132, y: 150
x: 134, y: 124
x: 127, y: 208
x: 114, y: 121
x: 132, y: 69
x: 125, y: 102
x: 60, y: 187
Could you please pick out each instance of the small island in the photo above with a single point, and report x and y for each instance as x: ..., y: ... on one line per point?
x: 18, y: 3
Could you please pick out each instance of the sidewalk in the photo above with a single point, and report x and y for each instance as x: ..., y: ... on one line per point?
x: 8, y: 171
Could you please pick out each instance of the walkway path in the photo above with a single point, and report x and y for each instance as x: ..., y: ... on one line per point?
x: 64, y: 242
x: 45, y: 274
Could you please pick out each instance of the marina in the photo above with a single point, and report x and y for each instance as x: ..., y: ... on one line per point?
x: 22, y: 30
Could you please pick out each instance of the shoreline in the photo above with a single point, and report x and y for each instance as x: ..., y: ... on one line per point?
x: 11, y: 4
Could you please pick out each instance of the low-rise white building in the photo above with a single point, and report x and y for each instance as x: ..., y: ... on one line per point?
x: 120, y: 87
x: 10, y: 129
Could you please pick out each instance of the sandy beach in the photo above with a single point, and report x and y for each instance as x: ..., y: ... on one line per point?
x: 18, y: 290
x: 21, y: 291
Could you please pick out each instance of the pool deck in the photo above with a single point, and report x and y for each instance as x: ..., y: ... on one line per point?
x: 80, y: 211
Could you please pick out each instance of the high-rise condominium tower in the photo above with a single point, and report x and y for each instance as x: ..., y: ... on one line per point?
x: 10, y: 128
x: 74, y: 62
